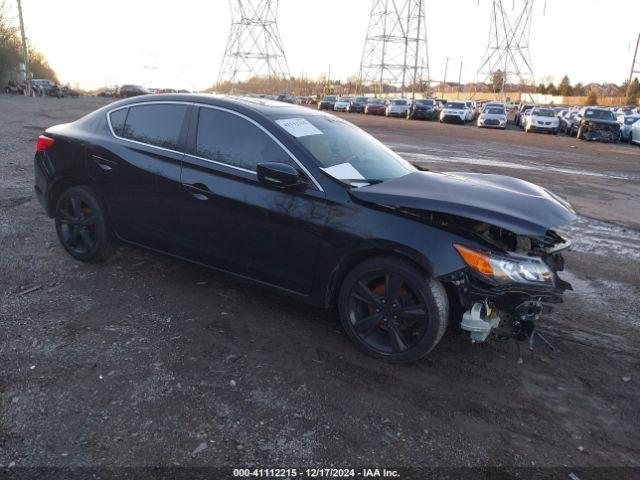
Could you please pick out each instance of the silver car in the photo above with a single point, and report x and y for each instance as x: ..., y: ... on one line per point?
x: 493, y: 116
x: 398, y: 108
x: 626, y: 122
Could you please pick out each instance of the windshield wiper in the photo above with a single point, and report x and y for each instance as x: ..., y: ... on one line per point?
x: 370, y: 181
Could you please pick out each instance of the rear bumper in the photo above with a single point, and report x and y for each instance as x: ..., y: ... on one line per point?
x: 43, y: 174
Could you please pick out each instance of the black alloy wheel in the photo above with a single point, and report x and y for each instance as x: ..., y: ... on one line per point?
x: 392, y: 311
x: 81, y: 225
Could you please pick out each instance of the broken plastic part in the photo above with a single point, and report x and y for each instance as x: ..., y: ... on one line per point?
x: 479, y: 321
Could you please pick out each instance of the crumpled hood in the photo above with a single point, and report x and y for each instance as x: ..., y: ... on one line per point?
x: 510, y: 203
x: 600, y: 122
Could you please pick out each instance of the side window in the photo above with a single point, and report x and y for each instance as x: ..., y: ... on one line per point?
x: 155, y: 124
x: 117, y: 119
x: 227, y: 138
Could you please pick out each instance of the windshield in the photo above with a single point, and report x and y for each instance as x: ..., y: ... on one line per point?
x: 399, y: 102
x: 344, y: 151
x: 495, y: 111
x: 631, y: 120
x: 361, y: 99
x: 599, y: 114
x: 543, y: 112
x: 428, y: 103
x: 329, y: 99
x: 458, y: 105
x: 377, y: 101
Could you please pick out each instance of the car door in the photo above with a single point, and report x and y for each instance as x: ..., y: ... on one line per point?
x: 137, y: 165
x: 234, y: 222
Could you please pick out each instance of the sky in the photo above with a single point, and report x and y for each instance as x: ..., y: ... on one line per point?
x: 180, y: 44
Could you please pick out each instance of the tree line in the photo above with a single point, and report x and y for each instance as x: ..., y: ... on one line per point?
x: 566, y: 89
x: 11, y: 51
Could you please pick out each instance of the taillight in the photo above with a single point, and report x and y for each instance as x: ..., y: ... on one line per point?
x: 44, y: 143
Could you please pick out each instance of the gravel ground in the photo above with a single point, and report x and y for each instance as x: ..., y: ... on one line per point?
x: 147, y: 361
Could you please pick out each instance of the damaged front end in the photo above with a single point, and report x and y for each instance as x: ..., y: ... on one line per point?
x: 601, y: 132
x: 508, y: 284
x: 506, y: 275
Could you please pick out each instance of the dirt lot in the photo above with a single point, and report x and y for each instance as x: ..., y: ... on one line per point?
x: 147, y: 361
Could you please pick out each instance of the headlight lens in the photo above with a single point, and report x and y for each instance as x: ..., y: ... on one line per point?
x: 517, y: 269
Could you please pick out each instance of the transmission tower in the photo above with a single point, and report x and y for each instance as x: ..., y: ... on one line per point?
x: 508, y: 48
x: 254, y: 47
x: 395, y: 50
x: 635, y: 66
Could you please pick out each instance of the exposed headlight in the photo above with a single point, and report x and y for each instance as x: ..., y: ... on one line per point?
x: 506, y: 269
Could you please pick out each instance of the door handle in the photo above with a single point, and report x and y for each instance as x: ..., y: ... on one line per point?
x: 199, y: 191
x: 103, y: 163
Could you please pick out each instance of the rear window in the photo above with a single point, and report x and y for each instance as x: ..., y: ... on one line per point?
x: 157, y: 125
x: 117, y: 120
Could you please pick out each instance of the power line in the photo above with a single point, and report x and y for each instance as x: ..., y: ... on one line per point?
x: 395, y: 49
x: 508, y: 47
x: 254, y: 47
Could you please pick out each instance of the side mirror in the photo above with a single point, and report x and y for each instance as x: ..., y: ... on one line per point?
x: 280, y: 175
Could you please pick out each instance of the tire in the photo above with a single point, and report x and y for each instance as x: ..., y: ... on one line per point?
x: 82, y: 227
x: 398, y: 330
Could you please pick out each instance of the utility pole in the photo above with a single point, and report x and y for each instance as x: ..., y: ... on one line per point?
x: 25, y: 49
x: 460, y: 80
x: 446, y: 68
x: 635, y: 66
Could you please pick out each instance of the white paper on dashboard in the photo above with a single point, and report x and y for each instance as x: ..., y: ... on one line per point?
x: 298, y: 127
x: 344, y: 171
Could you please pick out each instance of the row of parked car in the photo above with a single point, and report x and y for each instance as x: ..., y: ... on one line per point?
x: 462, y: 111
x: 585, y: 123
x: 40, y: 87
x: 487, y: 114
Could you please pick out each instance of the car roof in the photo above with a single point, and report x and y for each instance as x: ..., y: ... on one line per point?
x: 242, y: 104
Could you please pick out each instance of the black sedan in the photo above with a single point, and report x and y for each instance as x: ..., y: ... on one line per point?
x: 308, y: 204
x: 327, y: 103
x: 423, y: 109
x: 358, y: 104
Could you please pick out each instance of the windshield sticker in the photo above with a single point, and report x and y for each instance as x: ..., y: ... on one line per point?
x: 298, y: 127
x: 344, y: 171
